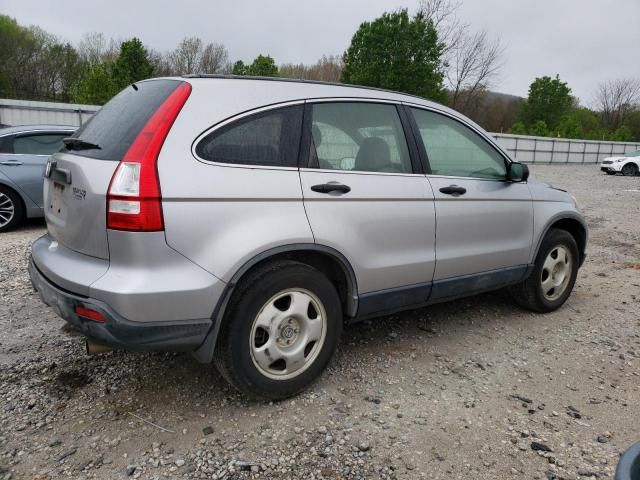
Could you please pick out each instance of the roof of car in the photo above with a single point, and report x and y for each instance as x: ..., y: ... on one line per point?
x: 31, y: 128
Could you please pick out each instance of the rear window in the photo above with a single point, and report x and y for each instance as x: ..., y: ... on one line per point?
x: 117, y: 124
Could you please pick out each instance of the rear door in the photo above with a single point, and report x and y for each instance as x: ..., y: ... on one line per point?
x: 75, y: 190
x: 484, y: 222
x: 24, y: 155
x: 365, y: 198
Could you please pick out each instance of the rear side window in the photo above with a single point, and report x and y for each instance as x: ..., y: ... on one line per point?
x: 265, y: 139
x: 44, y: 144
x: 117, y: 124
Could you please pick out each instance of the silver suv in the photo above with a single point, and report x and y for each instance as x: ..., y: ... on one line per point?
x: 245, y: 219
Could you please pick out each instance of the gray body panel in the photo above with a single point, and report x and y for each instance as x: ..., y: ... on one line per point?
x: 488, y: 228
x: 385, y: 225
x: 80, y: 221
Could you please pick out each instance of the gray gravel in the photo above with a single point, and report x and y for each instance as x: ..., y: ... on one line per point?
x: 472, y: 389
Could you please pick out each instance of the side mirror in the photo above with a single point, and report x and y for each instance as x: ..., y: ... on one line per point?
x: 518, y: 172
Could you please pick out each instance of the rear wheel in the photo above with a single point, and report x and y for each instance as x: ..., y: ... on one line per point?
x: 553, y: 276
x: 11, y: 211
x: 282, y: 327
x: 630, y: 170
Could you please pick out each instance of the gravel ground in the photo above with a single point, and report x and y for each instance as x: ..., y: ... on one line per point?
x: 472, y: 389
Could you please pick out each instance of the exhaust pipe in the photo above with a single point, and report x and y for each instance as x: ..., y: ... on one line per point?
x: 94, y: 348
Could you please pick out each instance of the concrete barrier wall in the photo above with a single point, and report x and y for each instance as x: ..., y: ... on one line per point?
x: 529, y: 149
x: 25, y: 112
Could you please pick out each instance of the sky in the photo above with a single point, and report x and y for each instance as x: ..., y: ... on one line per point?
x: 586, y: 42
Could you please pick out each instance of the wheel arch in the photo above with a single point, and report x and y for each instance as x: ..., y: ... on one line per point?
x: 326, y: 259
x: 572, y: 223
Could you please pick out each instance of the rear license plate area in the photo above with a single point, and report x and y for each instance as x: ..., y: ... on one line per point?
x: 56, y: 198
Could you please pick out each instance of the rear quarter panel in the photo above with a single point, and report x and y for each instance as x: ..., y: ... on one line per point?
x: 221, y: 216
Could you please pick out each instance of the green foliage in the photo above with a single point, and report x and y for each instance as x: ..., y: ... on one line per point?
x: 132, y: 64
x: 518, y: 128
x: 549, y: 99
x: 98, y: 86
x: 621, y: 134
x: 539, y: 129
x: 263, y: 66
x: 239, y: 68
x: 397, y: 52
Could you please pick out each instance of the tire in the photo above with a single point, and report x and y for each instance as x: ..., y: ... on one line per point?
x: 267, y: 323
x: 630, y: 170
x: 11, y: 209
x: 538, y: 292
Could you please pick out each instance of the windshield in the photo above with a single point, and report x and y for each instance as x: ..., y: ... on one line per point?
x: 633, y: 154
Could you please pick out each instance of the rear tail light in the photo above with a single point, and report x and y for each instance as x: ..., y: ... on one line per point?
x: 134, y: 201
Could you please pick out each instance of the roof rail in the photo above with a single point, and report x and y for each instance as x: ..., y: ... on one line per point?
x: 299, y: 80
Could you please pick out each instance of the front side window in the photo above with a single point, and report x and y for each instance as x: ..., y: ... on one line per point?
x: 456, y: 150
x: 265, y: 139
x: 366, y: 137
x: 38, y: 144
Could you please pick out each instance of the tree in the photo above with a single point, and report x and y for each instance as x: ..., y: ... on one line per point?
x: 326, y: 69
x: 239, y: 68
x: 471, y: 60
x: 398, y: 52
x: 185, y: 58
x: 263, y: 66
x: 213, y: 59
x: 549, y: 99
x: 98, y: 86
x: 615, y: 99
x: 475, y: 61
x: 132, y: 64
x: 94, y: 48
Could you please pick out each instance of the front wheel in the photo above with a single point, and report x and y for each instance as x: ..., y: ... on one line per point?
x: 283, y: 325
x: 553, y: 276
x: 630, y: 170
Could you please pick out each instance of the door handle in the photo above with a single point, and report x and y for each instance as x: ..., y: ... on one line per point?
x: 331, y: 187
x: 11, y: 163
x: 454, y: 190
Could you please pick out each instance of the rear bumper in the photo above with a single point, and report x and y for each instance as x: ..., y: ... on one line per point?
x: 116, y: 331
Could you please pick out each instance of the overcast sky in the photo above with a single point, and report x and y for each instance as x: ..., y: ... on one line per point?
x: 585, y: 41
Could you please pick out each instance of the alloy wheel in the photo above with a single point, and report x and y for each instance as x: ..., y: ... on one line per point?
x: 7, y: 210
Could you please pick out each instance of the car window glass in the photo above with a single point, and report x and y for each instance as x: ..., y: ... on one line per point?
x: 359, y: 136
x: 42, y: 144
x: 455, y: 149
x: 6, y: 144
x: 266, y: 139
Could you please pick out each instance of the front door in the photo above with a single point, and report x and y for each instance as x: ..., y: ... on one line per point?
x: 364, y: 199
x: 484, y: 222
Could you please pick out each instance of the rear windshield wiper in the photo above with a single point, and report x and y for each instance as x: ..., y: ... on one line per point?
x: 73, y: 143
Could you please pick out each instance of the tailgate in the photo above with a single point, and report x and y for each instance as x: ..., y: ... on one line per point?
x: 75, y: 202
x: 77, y: 178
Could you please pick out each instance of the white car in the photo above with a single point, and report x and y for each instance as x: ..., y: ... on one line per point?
x: 628, y: 164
